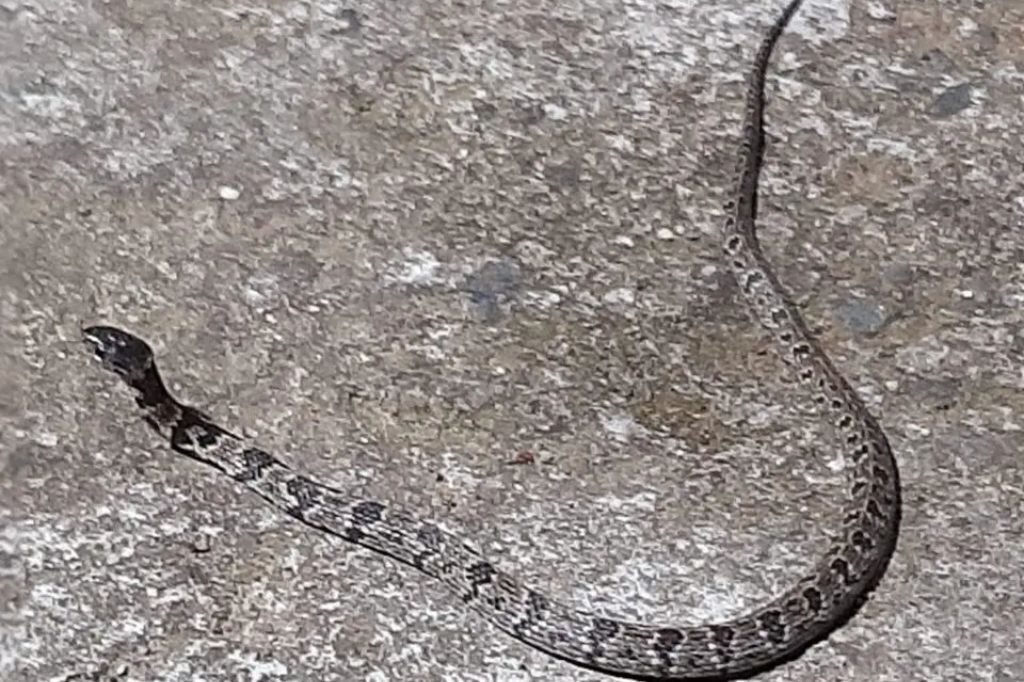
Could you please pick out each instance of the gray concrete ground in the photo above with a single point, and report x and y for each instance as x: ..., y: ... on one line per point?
x: 464, y: 256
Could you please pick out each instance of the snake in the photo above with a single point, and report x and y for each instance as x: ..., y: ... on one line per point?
x: 853, y: 562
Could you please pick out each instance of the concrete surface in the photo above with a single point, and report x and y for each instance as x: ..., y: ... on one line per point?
x: 414, y: 246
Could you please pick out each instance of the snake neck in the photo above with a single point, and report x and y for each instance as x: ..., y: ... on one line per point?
x: 160, y: 410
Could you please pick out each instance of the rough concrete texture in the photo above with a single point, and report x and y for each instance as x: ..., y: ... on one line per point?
x: 463, y: 256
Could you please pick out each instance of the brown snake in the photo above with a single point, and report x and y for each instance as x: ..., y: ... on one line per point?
x: 780, y: 630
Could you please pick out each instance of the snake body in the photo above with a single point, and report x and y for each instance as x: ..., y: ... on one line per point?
x: 740, y: 647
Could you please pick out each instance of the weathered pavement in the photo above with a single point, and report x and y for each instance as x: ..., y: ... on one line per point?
x: 464, y: 256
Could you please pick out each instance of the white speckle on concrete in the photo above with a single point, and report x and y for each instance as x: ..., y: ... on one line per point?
x: 836, y: 464
x: 917, y: 431
x: 642, y: 104
x: 443, y: 332
x: 420, y: 267
x: 622, y: 295
x: 555, y: 112
x: 619, y: 425
x: 433, y: 352
x: 879, y: 12
x: 620, y: 142
x: 761, y: 415
x: 51, y: 106
x: 456, y: 473
x: 259, y: 671
x: 642, y: 501
x: 967, y: 27
x: 229, y: 193
x: 896, y: 148
x: 47, y: 439
x: 260, y: 290
x: 543, y: 299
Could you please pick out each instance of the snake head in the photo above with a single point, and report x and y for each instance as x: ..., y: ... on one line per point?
x: 120, y: 352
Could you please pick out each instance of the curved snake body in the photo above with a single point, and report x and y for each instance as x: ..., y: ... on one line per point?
x: 742, y: 646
